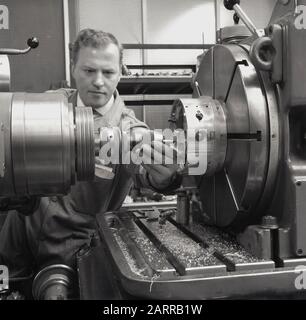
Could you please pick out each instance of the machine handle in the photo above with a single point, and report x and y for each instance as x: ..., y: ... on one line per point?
x: 235, y: 5
x: 32, y: 44
x: 262, y: 50
x: 229, y: 4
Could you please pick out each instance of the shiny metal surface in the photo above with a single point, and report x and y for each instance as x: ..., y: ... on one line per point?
x: 232, y: 196
x: 149, y: 204
x: 32, y: 43
x: 247, y: 21
x: 208, y: 114
x: 275, y: 142
x: 54, y: 282
x: 5, y: 149
x: 183, y: 206
x: 238, y: 275
x: 232, y: 34
x: 85, y: 147
x: 42, y: 148
x: 42, y: 144
x: 5, y: 75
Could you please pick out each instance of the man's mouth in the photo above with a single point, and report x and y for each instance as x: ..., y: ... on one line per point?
x: 97, y: 92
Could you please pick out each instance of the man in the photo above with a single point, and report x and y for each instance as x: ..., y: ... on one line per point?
x: 61, y: 225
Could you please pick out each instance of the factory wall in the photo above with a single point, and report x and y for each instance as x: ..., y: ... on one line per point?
x: 165, y: 22
x: 121, y: 17
x: 44, y: 67
x: 259, y: 12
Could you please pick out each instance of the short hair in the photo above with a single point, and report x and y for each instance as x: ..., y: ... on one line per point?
x: 96, y: 39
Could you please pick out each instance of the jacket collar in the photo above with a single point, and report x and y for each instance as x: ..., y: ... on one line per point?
x: 73, y: 98
x: 112, y: 117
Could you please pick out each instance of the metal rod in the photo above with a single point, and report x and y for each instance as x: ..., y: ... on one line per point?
x: 249, y: 24
x: 217, y: 18
x: 232, y: 191
x: 183, y: 210
x: 143, y: 30
x: 14, y: 51
x: 162, y: 66
x: 198, y: 88
x: 66, y: 41
x: 149, y: 205
x: 166, y: 46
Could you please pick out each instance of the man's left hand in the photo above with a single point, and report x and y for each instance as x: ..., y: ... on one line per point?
x: 160, y: 161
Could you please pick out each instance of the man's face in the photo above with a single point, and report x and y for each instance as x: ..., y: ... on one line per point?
x: 97, y: 73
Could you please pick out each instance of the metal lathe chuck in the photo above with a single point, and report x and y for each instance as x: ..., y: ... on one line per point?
x: 240, y: 115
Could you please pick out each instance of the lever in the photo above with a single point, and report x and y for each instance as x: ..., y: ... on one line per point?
x: 262, y: 51
x: 32, y: 44
x: 235, y: 5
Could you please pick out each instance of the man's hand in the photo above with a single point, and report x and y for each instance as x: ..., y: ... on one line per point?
x: 160, y: 161
x: 161, y: 176
x: 102, y: 171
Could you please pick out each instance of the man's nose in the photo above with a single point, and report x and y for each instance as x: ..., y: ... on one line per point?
x: 98, y: 80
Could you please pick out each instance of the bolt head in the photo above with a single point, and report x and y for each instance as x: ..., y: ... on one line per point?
x: 269, y: 222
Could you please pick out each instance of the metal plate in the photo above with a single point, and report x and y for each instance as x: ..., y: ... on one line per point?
x: 248, y: 277
x: 232, y: 196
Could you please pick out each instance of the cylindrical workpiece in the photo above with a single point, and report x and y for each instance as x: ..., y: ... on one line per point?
x: 43, y: 145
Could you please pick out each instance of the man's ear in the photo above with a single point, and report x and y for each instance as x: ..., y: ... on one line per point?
x: 124, y: 70
x: 120, y: 75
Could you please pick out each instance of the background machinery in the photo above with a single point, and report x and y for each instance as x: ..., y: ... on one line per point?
x: 239, y: 229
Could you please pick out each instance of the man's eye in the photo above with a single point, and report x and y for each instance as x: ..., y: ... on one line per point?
x: 89, y: 71
x: 108, y: 72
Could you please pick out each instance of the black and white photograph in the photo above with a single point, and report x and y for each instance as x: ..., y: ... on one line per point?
x: 152, y: 153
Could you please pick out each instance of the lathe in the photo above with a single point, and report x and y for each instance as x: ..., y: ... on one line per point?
x: 239, y: 229
x: 236, y: 231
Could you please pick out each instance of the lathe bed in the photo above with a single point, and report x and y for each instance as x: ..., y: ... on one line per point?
x: 157, y: 258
